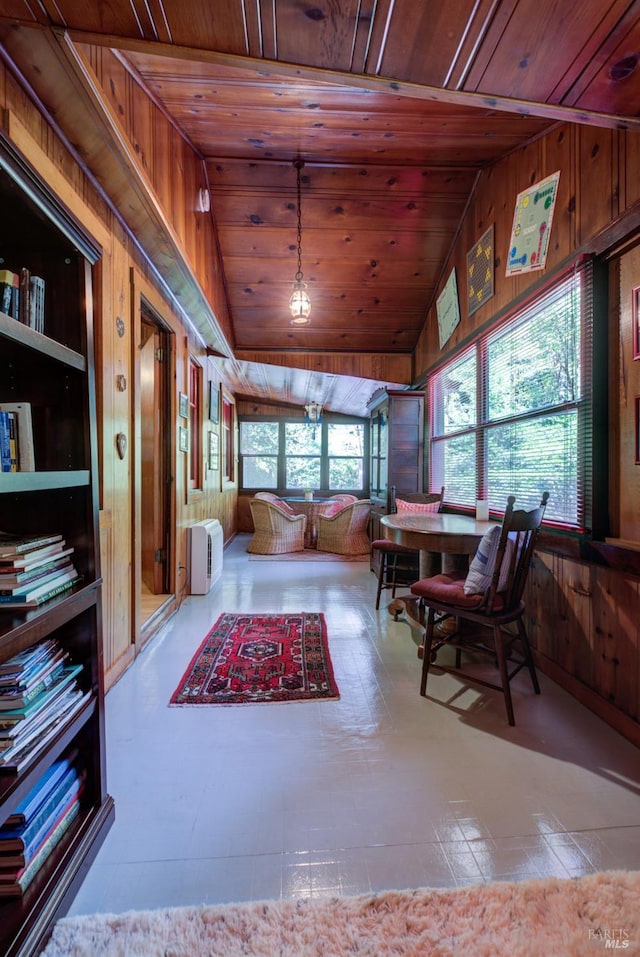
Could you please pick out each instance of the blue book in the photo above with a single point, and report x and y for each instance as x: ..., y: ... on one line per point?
x: 40, y: 792
x: 17, y: 885
x: 27, y: 837
x: 5, y: 442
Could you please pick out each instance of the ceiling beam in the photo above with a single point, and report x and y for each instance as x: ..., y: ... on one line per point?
x: 373, y: 84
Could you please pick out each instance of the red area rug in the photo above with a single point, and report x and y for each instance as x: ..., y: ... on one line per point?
x: 249, y: 659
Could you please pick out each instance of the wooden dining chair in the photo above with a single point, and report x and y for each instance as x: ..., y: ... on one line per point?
x: 480, y: 613
x: 400, y: 564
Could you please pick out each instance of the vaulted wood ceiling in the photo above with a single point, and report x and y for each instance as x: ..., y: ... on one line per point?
x: 394, y: 106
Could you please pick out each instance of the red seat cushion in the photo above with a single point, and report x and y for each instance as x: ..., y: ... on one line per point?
x: 384, y: 545
x: 449, y: 589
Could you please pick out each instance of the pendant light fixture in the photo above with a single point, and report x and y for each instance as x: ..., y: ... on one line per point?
x: 299, y: 304
x: 313, y: 416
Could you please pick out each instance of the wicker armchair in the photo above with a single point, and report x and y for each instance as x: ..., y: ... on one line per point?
x: 276, y: 530
x: 345, y: 532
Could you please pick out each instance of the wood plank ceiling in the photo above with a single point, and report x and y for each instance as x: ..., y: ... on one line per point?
x: 393, y: 105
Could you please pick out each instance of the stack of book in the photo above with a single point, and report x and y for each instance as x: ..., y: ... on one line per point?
x: 34, y: 569
x: 39, y: 692
x: 30, y: 834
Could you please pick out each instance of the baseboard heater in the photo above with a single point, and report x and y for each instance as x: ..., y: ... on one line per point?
x: 207, y: 542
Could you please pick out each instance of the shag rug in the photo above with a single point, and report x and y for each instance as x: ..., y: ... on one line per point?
x: 310, y: 555
x: 568, y: 917
x: 248, y: 659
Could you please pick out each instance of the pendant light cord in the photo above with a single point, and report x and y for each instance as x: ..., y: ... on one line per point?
x: 299, y: 165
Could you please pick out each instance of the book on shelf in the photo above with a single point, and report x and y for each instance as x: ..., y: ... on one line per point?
x: 30, y: 658
x: 47, y: 576
x: 17, y: 886
x: 11, y: 564
x: 24, y: 838
x: 11, y: 544
x: 26, y: 750
x: 24, y: 434
x: 22, y: 678
x: 12, y: 716
x: 25, y: 294
x: 39, y: 592
x: 41, y: 791
x: 10, y: 293
x: 8, y: 442
x: 14, y: 740
x: 36, y: 303
x: 41, y: 567
x: 15, y: 694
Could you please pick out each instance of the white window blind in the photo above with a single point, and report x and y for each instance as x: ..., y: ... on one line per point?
x: 511, y: 415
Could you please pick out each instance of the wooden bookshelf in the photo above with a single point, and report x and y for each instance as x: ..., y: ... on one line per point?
x: 54, y: 372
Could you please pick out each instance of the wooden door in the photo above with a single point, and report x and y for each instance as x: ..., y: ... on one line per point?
x: 154, y: 438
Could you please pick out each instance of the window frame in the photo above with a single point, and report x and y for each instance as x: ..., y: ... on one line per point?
x: 228, y: 440
x: 195, y: 471
x: 483, y: 425
x: 328, y: 420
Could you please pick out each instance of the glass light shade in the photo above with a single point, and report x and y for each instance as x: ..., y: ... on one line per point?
x: 299, y: 304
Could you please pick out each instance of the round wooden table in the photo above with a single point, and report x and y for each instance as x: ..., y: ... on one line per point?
x: 454, y: 537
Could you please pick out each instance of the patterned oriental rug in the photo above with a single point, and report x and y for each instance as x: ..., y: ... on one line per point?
x: 249, y: 659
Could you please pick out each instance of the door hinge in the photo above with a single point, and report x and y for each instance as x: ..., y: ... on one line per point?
x: 160, y: 555
x: 159, y: 354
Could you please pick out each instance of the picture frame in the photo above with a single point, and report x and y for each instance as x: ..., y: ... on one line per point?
x: 214, y: 401
x: 637, y: 403
x: 183, y: 439
x: 183, y: 405
x: 635, y: 312
x: 213, y: 452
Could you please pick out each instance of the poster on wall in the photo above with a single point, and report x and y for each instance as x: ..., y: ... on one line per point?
x: 531, y: 228
x: 480, y: 272
x: 448, y: 309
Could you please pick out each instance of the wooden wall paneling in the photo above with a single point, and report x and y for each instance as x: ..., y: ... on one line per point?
x: 178, y: 175
x: 630, y: 169
x: 116, y: 333
x: 559, y: 153
x: 558, y: 615
x: 115, y: 662
x: 575, y: 650
x: 615, y: 603
x: 628, y: 472
x: 543, y: 604
x: 161, y: 142
x: 388, y: 367
x: 597, y: 193
x: 617, y: 362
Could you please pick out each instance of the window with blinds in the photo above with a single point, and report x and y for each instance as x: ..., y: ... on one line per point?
x: 511, y: 415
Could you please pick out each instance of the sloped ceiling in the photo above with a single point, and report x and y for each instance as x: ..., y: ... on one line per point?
x: 393, y: 105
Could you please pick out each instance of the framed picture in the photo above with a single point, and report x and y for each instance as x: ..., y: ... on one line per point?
x: 183, y: 439
x: 638, y: 430
x: 183, y: 405
x: 213, y: 456
x: 635, y: 312
x: 214, y: 401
